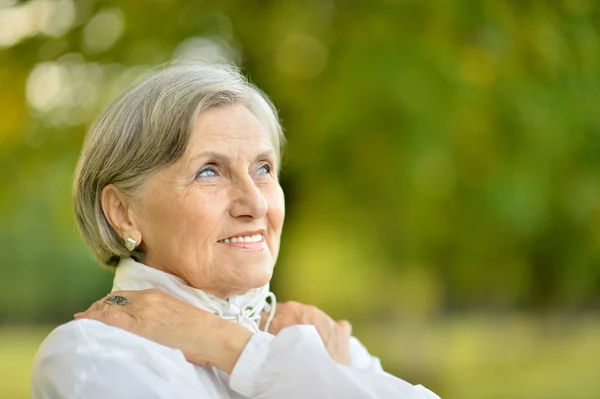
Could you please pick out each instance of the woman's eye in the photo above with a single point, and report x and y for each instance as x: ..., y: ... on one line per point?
x: 264, y: 169
x: 207, y: 172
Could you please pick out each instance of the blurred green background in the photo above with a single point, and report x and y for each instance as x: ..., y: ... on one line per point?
x: 442, y: 172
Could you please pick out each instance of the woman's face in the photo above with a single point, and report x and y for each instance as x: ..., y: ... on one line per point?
x: 214, y: 218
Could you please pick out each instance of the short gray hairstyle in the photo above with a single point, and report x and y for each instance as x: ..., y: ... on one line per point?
x: 148, y: 128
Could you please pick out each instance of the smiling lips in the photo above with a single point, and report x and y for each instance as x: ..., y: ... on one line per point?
x: 251, y: 240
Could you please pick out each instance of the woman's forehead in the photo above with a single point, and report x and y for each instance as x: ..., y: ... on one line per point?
x: 229, y: 142
x: 231, y: 128
x: 231, y: 117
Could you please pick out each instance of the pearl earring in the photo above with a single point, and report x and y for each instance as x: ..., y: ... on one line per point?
x: 130, y: 243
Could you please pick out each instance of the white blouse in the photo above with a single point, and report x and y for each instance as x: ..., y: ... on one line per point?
x: 89, y: 359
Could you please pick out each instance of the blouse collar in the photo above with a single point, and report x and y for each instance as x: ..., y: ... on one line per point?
x: 243, y: 309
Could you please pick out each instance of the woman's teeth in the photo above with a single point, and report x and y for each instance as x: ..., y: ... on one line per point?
x: 254, y: 238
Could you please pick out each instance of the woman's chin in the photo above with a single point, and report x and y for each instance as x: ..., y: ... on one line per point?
x: 255, y: 277
x: 259, y: 280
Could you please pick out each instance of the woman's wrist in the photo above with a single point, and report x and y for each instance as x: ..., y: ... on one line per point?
x: 230, y: 341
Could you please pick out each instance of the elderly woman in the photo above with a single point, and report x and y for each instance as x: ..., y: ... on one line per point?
x: 177, y: 189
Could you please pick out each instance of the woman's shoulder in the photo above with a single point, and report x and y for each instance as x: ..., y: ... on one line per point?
x: 86, y: 355
x: 90, y: 338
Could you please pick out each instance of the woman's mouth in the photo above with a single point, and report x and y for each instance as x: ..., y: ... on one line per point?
x: 250, y: 238
x: 251, y: 242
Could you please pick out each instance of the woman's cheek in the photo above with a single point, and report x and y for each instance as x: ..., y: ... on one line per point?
x: 277, y: 201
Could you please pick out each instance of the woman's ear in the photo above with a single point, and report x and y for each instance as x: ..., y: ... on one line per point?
x: 119, y: 213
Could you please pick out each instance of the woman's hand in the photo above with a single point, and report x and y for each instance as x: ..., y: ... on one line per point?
x: 204, y: 338
x: 335, y: 335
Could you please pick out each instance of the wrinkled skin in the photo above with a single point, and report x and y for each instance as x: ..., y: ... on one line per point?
x: 204, y: 338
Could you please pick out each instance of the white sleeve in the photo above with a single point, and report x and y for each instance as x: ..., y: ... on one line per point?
x: 295, y: 364
x: 73, y: 364
x: 361, y: 359
x: 101, y: 378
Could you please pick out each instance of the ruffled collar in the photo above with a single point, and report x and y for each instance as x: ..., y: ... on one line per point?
x: 243, y: 309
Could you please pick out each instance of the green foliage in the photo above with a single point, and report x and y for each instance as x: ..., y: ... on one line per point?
x: 442, y: 155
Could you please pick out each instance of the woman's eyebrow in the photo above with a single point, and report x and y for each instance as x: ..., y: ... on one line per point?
x: 214, y: 155
x: 226, y: 159
x: 265, y: 154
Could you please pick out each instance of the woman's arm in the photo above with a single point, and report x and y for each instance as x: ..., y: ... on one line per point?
x: 205, y: 339
x: 295, y: 364
x: 307, y: 360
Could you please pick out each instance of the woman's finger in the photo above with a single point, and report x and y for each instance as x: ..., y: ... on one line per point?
x: 102, y: 305
x: 345, y: 327
x: 88, y: 314
x: 340, y: 350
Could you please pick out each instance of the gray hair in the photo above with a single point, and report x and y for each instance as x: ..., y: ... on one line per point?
x: 148, y: 128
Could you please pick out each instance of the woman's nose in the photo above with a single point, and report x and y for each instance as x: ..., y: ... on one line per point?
x: 248, y: 200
